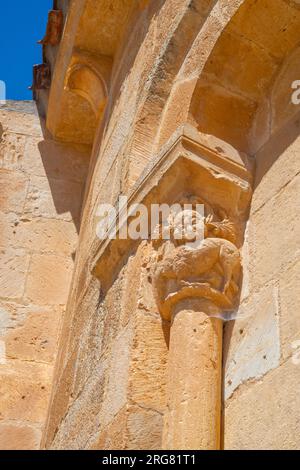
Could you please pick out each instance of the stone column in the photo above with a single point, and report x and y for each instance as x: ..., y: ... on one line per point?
x: 192, y: 419
x: 193, y: 289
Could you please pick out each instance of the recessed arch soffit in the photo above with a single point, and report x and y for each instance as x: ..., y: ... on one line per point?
x: 231, y: 95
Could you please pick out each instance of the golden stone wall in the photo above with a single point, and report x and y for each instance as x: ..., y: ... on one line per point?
x: 41, y: 190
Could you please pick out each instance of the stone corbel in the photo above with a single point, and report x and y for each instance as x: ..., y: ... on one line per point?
x: 88, y: 77
x: 194, y: 288
x: 78, y: 97
x: 41, y: 78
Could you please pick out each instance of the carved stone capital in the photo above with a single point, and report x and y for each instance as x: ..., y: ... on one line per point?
x: 186, y: 168
x: 209, y: 270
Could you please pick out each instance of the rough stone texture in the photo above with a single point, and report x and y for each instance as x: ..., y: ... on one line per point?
x: 114, y: 381
x: 290, y: 306
x: 53, y: 198
x: 13, y: 198
x: 24, y: 391
x: 14, y: 266
x: 40, y: 197
x: 46, y: 282
x: 149, y: 362
x: 254, y: 340
x: 19, y: 436
x: 35, y: 340
x: 264, y: 414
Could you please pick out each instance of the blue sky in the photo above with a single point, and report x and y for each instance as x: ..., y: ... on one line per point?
x: 23, y: 23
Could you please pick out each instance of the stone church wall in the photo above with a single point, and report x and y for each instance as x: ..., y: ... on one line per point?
x: 41, y: 190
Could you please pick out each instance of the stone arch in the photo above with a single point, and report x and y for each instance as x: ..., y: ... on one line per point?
x: 194, y: 20
x: 230, y: 97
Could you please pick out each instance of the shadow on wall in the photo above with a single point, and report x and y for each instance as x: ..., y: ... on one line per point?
x: 279, y: 142
x: 66, y: 168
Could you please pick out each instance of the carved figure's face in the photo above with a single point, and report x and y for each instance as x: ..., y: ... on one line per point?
x: 188, y: 225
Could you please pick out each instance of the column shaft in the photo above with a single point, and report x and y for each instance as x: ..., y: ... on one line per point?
x: 193, y: 416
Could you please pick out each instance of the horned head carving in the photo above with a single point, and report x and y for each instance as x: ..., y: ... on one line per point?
x: 223, y: 229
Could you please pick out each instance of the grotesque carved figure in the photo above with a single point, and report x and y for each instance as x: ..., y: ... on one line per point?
x: 54, y: 28
x: 207, y: 269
